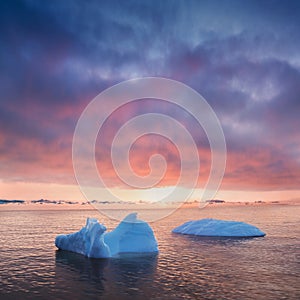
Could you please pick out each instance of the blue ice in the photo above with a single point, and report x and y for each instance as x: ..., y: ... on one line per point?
x: 130, y: 236
x: 218, y: 228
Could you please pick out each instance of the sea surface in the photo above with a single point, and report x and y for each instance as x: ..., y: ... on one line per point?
x: 186, y: 267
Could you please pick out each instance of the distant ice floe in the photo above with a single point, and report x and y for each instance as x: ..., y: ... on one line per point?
x: 130, y: 236
x: 218, y: 228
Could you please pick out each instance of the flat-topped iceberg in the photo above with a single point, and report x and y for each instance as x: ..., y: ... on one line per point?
x: 130, y: 236
x: 218, y: 228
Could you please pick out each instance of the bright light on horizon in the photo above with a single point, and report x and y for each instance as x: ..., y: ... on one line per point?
x: 32, y: 191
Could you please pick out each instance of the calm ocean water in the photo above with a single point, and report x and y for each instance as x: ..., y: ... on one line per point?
x: 186, y: 267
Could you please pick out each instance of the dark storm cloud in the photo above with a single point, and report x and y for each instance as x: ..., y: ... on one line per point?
x: 242, y: 56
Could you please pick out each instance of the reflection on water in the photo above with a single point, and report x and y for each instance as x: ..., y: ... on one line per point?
x: 73, y: 267
x: 124, y: 277
x: 187, y: 267
x: 222, y: 240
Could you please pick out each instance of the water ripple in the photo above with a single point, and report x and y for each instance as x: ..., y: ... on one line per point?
x: 187, y: 267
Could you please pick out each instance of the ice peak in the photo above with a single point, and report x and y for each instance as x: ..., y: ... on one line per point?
x: 131, y: 218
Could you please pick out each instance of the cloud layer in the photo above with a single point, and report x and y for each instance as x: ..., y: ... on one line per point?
x: 242, y: 56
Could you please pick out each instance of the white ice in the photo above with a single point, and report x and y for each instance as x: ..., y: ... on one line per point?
x: 218, y: 228
x: 131, y: 235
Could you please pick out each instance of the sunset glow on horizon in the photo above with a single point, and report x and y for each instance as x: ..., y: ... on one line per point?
x: 242, y: 58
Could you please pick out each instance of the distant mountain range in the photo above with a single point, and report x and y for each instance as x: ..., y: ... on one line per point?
x: 2, y: 201
x: 41, y: 201
x: 45, y: 201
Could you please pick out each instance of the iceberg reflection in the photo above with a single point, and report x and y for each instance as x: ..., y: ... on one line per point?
x: 114, y: 278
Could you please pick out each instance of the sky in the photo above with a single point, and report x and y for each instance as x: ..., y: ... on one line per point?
x: 241, y: 56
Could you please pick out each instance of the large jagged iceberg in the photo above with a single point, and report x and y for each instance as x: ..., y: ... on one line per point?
x: 218, y: 228
x: 131, y: 235
x: 87, y: 241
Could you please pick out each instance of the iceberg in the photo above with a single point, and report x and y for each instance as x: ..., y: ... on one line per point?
x: 87, y: 241
x: 130, y: 236
x: 218, y: 228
